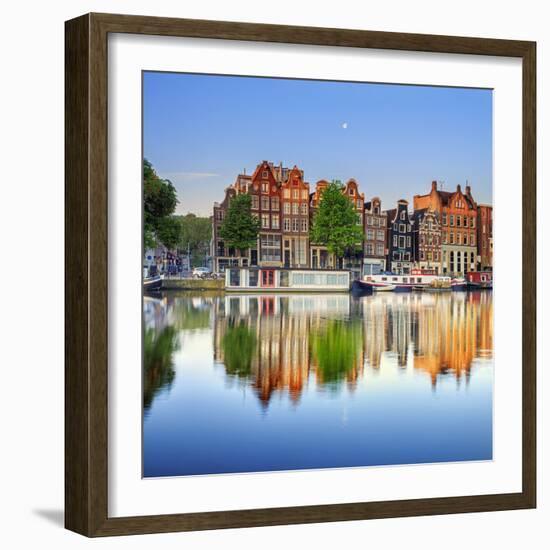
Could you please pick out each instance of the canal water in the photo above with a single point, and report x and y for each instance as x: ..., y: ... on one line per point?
x: 250, y: 383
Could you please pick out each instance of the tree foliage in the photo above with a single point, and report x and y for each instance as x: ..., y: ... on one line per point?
x: 159, y: 202
x: 336, y: 224
x: 195, y: 235
x: 240, y: 228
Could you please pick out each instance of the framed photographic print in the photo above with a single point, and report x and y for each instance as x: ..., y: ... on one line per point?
x: 300, y: 275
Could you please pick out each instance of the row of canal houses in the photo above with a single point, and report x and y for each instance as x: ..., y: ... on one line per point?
x: 446, y: 232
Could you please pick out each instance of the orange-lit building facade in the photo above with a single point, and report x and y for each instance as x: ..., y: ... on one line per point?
x: 457, y: 211
x: 485, y: 237
x: 295, y: 219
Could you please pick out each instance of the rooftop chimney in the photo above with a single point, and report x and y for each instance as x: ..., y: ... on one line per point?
x: 458, y: 188
x: 468, y: 190
x: 434, y: 185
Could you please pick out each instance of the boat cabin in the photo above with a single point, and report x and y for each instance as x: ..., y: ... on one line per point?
x: 269, y: 279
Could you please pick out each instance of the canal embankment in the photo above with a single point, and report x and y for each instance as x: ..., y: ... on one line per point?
x: 193, y: 284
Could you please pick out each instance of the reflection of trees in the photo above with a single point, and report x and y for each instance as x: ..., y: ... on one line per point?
x: 158, y: 366
x: 239, y: 344
x: 292, y: 339
x: 336, y: 349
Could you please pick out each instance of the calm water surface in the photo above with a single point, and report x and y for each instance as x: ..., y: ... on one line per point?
x: 248, y: 383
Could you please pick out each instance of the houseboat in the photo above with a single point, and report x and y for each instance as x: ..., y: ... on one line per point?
x: 459, y: 283
x: 416, y: 280
x: 271, y: 279
x: 478, y: 280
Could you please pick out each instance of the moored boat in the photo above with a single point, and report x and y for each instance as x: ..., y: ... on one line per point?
x: 458, y: 284
x: 152, y: 283
x: 276, y: 279
x: 479, y: 280
x: 416, y: 280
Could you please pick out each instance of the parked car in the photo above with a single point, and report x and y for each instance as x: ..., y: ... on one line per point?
x: 201, y: 272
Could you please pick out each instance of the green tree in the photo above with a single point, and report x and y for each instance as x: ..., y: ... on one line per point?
x: 240, y: 228
x: 159, y: 202
x: 195, y: 235
x: 168, y: 231
x: 336, y: 223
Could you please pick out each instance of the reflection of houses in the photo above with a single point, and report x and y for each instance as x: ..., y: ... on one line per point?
x: 446, y: 332
x: 282, y: 328
x: 284, y: 342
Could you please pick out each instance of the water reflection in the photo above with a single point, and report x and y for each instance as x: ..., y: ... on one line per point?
x: 383, y: 354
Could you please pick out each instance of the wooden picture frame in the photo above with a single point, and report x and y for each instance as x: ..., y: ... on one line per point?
x: 86, y: 282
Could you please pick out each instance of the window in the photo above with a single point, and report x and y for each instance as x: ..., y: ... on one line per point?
x: 352, y: 192
x: 275, y: 221
x: 472, y: 240
x: 402, y: 228
x: 380, y: 249
x: 286, y: 208
x: 421, y: 254
x: 304, y: 225
x: 407, y: 256
x: 370, y: 234
x: 305, y: 194
x: 458, y: 221
x: 452, y: 235
x: 265, y: 187
x: 234, y: 277
x: 395, y: 227
x: 275, y: 203
x: 369, y: 249
x: 255, y: 202
x: 286, y: 193
x: 370, y: 220
x: 444, y: 219
x: 359, y: 203
x: 284, y: 278
x: 295, y: 194
x: 402, y: 242
x: 422, y: 238
x: 402, y: 215
x: 303, y: 209
x: 295, y: 208
x: 452, y: 220
x: 253, y: 277
x: 395, y: 240
x: 382, y: 222
x: 270, y: 247
x: 444, y: 238
x: 472, y: 222
x: 265, y: 203
x: 264, y: 174
x: 219, y: 214
x: 295, y: 226
x: 380, y: 235
x: 286, y: 224
x: 265, y: 221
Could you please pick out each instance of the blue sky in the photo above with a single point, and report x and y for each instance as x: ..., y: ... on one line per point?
x: 201, y: 130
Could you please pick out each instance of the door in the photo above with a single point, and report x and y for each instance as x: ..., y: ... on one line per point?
x: 268, y: 278
x: 287, y: 258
